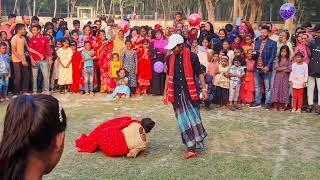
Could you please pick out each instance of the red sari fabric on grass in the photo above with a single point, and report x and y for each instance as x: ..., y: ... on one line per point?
x: 108, y: 137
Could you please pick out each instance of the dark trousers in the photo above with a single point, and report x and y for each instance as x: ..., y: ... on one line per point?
x: 21, y: 78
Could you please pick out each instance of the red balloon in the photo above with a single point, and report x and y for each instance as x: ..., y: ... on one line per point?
x: 124, y: 25
x: 194, y: 20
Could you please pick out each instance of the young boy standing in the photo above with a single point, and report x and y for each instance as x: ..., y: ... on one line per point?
x: 42, y: 45
x: 20, y: 64
x: 236, y: 73
x: 4, y: 71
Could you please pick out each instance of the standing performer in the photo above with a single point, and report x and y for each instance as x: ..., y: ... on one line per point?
x: 180, y: 90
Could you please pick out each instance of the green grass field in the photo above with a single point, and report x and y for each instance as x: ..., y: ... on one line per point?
x: 248, y: 144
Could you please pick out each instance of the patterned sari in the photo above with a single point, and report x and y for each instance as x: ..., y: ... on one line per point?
x: 104, y: 53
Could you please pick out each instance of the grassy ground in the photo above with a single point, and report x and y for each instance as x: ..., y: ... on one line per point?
x: 248, y: 144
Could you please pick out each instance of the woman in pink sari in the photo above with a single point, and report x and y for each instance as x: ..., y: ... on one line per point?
x: 104, y: 53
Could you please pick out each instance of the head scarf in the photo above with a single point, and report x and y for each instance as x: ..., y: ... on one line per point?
x: 160, y: 43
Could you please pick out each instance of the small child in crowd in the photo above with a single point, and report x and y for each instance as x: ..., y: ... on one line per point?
x: 4, y: 71
x: 122, y: 90
x: 236, y: 73
x: 65, y: 66
x: 115, y: 65
x: 88, y: 56
x: 221, y: 81
x: 298, y: 80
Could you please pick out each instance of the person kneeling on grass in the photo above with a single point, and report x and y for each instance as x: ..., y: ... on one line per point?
x: 122, y: 136
x: 33, y: 137
x: 122, y: 90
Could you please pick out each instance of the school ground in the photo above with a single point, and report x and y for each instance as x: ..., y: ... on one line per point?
x: 248, y: 144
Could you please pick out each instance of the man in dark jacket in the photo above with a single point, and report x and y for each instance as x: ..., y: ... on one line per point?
x: 266, y: 50
x: 314, y: 68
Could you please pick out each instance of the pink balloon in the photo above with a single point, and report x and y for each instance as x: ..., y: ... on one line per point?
x: 194, y: 20
x: 124, y: 25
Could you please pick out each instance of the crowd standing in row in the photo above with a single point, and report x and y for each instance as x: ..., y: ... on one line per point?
x: 242, y: 66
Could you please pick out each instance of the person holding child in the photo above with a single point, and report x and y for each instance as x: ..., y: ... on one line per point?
x: 122, y: 90
x: 104, y: 53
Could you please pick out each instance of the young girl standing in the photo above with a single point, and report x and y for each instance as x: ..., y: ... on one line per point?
x: 115, y: 65
x: 144, y: 68
x: 280, y: 90
x: 130, y: 61
x: 65, y: 67
x: 221, y: 81
x: 298, y: 79
x: 249, y: 44
x: 247, y: 95
x: 227, y: 51
x: 206, y: 43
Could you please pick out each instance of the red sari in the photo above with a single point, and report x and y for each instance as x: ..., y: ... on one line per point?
x: 108, y: 137
x: 104, y: 53
x: 76, y: 72
x: 247, y: 87
x: 144, y: 68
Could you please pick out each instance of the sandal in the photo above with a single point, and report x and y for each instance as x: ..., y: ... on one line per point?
x: 309, y: 109
x: 189, y: 156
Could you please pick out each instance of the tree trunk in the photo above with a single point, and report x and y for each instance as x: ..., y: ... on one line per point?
x: 210, y: 5
x: 253, y: 11
x: 55, y: 8
x: 200, y: 8
x: 134, y: 7
x: 97, y: 7
x: 164, y: 13
x: 241, y: 7
x: 288, y: 24
x: 121, y: 7
x: 34, y: 8
x: 236, y: 5
x: 68, y: 8
x: 28, y: 7
x: 39, y: 9
x: 15, y: 6
x: 110, y: 7
x: 73, y: 7
x: 260, y: 11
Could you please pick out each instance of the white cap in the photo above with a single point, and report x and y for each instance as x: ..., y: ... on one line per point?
x: 174, y: 40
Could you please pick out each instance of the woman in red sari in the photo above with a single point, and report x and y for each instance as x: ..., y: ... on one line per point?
x: 104, y: 53
x: 144, y: 67
x: 76, y: 69
x: 135, y: 39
